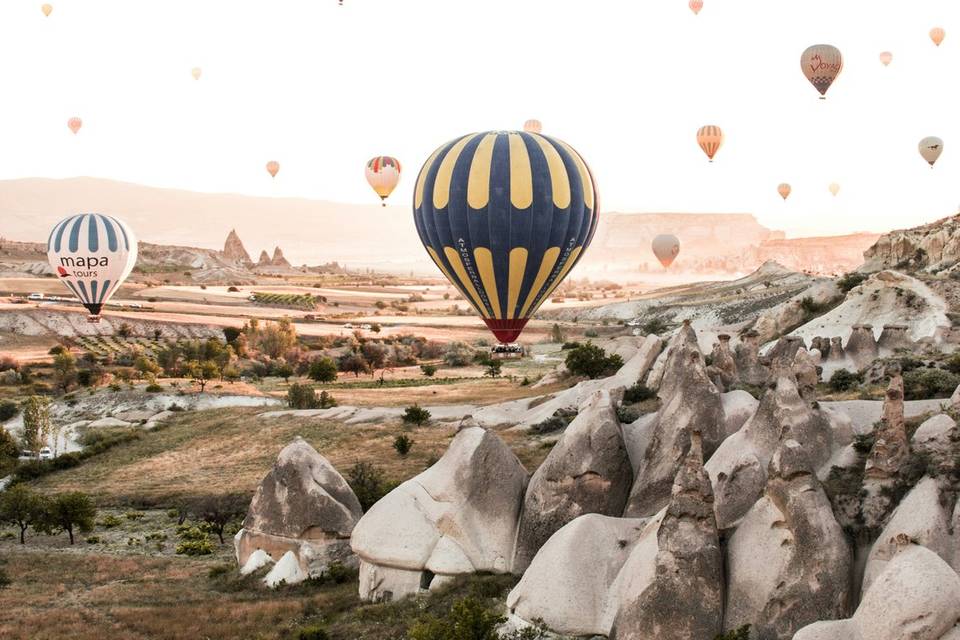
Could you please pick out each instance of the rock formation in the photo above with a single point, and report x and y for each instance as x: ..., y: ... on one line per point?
x: 749, y: 367
x: 893, y: 337
x: 689, y: 402
x: 457, y: 517
x: 917, y: 597
x: 861, y: 346
x: 723, y: 368
x: 805, y: 370
x: 303, y: 507
x: 234, y: 250
x: 822, y: 345
x: 788, y: 562
x: 665, y: 369
x: 587, y: 471
x: 573, y: 581
x: 278, y: 260
x: 889, y: 453
x: 837, y: 353
x: 264, y: 260
x: 685, y: 599
x: 786, y: 349
x: 739, y: 466
x: 930, y: 245
x: 938, y: 441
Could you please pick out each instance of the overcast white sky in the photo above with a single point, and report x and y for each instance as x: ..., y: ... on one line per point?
x: 321, y: 88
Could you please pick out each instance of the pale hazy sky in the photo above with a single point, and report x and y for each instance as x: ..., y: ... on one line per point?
x: 321, y: 88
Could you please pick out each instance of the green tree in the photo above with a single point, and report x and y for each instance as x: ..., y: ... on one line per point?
x: 282, y: 369
x: 8, y: 446
x: 403, y: 443
x: 302, y: 396
x: 202, y: 372
x: 368, y: 483
x: 458, y: 354
x: 65, y: 369
x: 322, y: 369
x: 843, y: 380
x: 416, y: 415
x: 69, y: 511
x: 8, y: 409
x: 428, y: 370
x: 230, y: 373
x: 493, y: 368
x: 354, y: 363
x: 125, y: 331
x: 217, y: 511
x: 37, y: 425
x: 556, y: 334
x: 20, y: 506
x: 146, y: 365
x: 591, y: 361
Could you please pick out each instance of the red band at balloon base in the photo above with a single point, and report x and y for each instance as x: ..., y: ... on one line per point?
x: 506, y: 331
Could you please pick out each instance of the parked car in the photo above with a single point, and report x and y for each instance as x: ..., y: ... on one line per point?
x: 366, y: 327
x: 348, y: 326
x: 136, y: 305
x: 46, y: 453
x: 35, y: 296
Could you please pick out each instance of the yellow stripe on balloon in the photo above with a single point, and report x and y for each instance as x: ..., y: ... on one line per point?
x: 558, y: 173
x: 478, y: 185
x: 518, y: 265
x: 454, y: 259
x: 484, y: 260
x: 441, y: 187
x: 422, y: 178
x: 436, y: 260
x: 549, y: 259
x: 521, y: 177
x: 584, y: 174
x: 571, y: 259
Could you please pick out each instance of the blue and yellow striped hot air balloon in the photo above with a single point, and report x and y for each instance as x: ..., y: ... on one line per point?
x: 92, y: 255
x: 505, y: 216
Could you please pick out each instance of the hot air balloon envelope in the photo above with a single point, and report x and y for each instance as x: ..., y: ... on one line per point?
x: 92, y: 254
x: 505, y: 215
x: 931, y: 148
x: 821, y: 64
x: 695, y: 6
x: 784, y: 190
x: 47, y: 9
x: 532, y: 126
x: 383, y: 174
x: 196, y: 72
x: 937, y: 35
x: 834, y: 188
x: 886, y: 58
x: 272, y: 168
x: 666, y: 247
x: 74, y: 124
x: 710, y: 138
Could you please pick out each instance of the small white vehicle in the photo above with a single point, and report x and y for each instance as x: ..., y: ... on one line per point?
x: 348, y: 326
x: 46, y: 453
x: 366, y: 327
x: 36, y: 296
x: 136, y: 305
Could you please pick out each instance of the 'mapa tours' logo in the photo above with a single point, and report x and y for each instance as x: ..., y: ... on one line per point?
x: 88, y: 263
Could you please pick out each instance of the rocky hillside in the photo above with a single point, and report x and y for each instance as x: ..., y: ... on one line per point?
x: 71, y: 324
x: 930, y: 247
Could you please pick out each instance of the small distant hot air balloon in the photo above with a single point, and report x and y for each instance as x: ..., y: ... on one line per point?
x: 930, y: 149
x: 47, y: 9
x: 834, y: 188
x: 383, y: 174
x: 505, y: 215
x: 272, y: 168
x: 695, y: 6
x: 886, y: 58
x: 937, y: 34
x: 92, y: 255
x: 196, y: 72
x: 74, y: 124
x: 710, y: 138
x: 821, y: 64
x: 666, y: 246
x: 532, y: 126
x: 784, y: 190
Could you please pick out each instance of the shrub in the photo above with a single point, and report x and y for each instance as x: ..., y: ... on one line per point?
x: 742, y: 633
x: 302, y: 396
x: 591, y: 333
x: 337, y: 573
x: 850, y: 280
x: 134, y: 515
x: 428, y: 370
x: 843, y: 380
x: 559, y: 420
x: 952, y: 365
x: 312, y: 633
x: 569, y: 345
x: 655, y: 326
x: 639, y: 393
x: 8, y: 446
x: 322, y: 369
x: 921, y: 384
x: 368, y: 483
x: 56, y: 350
x: 493, y: 368
x: 194, y: 541
x: 110, y: 521
x: 153, y: 388
x: 626, y: 415
x: 92, y: 540
x: 5, y: 580
x: 812, y: 307
x: 458, y: 354
x: 416, y: 415
x: 403, y: 443
x: 468, y: 618
x: 8, y: 410
x: 591, y: 361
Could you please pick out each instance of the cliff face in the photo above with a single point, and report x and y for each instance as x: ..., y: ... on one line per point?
x: 931, y: 246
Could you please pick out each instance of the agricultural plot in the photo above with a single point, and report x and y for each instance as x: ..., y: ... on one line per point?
x: 290, y: 300
x: 115, y: 345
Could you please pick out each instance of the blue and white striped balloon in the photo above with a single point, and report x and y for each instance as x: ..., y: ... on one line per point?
x: 92, y: 255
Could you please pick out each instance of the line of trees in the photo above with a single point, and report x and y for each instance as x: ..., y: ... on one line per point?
x: 64, y: 512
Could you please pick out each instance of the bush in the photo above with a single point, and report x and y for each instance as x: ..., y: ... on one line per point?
x: 416, y: 415
x: 322, y: 369
x: 403, y: 443
x: 153, y: 388
x: 743, y: 633
x: 8, y: 410
x: 811, y: 307
x: 134, y: 515
x: 458, y: 354
x: 428, y: 370
x: 591, y: 361
x: 569, y: 345
x: 591, y: 333
x: 5, y: 580
x: 302, y: 396
x: 843, y: 380
x: 368, y: 483
x: 922, y: 384
x: 850, y: 280
x: 626, y: 415
x: 468, y: 619
x: 110, y: 521
x: 312, y: 633
x: 655, y: 326
x: 92, y: 540
x: 639, y: 393
x: 337, y: 573
x: 194, y: 541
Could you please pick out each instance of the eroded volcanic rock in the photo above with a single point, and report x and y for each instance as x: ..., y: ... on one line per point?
x: 234, y: 250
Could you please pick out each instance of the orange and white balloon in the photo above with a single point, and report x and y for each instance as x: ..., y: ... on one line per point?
x: 47, y: 9
x: 196, y: 72
x: 930, y: 149
x: 821, y: 64
x: 695, y: 6
x: 74, y: 124
x: 834, y: 188
x: 784, y: 190
x: 937, y: 34
x: 666, y: 247
x: 383, y: 174
x: 886, y: 58
x: 533, y: 126
x: 272, y: 168
x: 710, y: 139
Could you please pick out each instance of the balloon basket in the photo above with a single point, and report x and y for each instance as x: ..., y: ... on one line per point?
x: 93, y: 319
